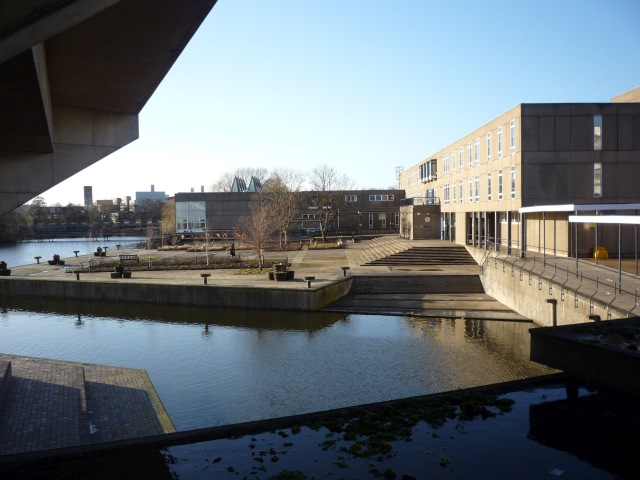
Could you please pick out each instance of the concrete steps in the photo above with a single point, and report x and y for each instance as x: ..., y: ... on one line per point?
x: 453, y: 255
x: 427, y: 284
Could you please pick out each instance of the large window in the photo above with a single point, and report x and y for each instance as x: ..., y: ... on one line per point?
x: 191, y: 217
x: 453, y: 192
x: 461, y: 152
x: 512, y: 136
x: 476, y: 152
x: 489, y: 186
x: 477, y: 188
x: 597, y: 132
x: 513, y: 181
x: 446, y: 193
x: 470, y: 189
x: 500, y: 184
x: 489, y: 147
x: 446, y: 164
x: 461, y: 191
x: 453, y: 161
x: 597, y: 179
x: 499, y: 142
x: 371, y: 220
x: 469, y: 155
x: 351, y: 198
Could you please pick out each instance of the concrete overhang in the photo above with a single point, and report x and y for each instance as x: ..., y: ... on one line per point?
x: 580, y: 208
x: 611, y: 219
x: 74, y: 75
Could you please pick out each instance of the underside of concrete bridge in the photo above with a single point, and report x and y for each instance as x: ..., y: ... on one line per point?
x: 74, y: 75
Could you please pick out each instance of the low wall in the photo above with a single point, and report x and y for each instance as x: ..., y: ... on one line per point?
x: 303, y: 299
x: 528, y: 288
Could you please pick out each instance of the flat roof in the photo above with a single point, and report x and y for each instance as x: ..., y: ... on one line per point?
x: 571, y: 207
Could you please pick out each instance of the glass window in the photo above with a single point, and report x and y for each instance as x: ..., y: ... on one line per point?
x: 470, y: 189
x: 446, y: 193
x: 461, y: 191
x: 489, y: 147
x: 500, y: 184
x: 453, y: 161
x: 489, y: 186
x: 453, y: 192
x: 371, y: 220
x: 469, y: 155
x: 476, y: 152
x: 477, y: 188
x: 446, y: 164
x: 597, y: 132
x: 512, y: 136
x: 513, y: 181
x: 351, y: 198
x: 597, y: 179
x: 461, y: 152
x: 499, y: 142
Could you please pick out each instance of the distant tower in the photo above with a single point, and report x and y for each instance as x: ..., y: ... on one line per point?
x: 88, y: 197
x: 399, y: 170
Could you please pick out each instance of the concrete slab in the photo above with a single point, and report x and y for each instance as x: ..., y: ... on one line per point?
x: 53, y: 404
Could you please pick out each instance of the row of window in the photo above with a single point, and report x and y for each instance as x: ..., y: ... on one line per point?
x: 451, y: 195
x: 372, y: 198
x: 450, y: 162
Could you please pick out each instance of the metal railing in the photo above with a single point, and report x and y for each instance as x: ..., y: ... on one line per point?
x: 601, y: 289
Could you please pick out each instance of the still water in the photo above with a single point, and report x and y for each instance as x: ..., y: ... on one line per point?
x: 213, y: 367
x: 24, y: 253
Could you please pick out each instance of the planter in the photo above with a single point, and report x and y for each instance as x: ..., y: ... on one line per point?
x: 60, y: 262
x: 126, y: 274
x: 290, y: 274
x: 115, y: 275
x: 270, y: 275
x: 280, y: 267
x: 5, y: 272
x: 280, y: 276
x: 52, y: 262
x: 119, y: 269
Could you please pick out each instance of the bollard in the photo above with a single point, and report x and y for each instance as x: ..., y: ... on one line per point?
x: 77, y: 275
x: 38, y: 259
x: 308, y: 280
x: 344, y: 271
x: 76, y: 252
x: 205, y: 276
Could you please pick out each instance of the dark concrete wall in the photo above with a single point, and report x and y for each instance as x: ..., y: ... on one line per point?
x: 303, y: 299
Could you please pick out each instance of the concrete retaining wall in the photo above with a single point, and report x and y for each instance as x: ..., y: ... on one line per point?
x: 303, y: 299
x: 528, y: 294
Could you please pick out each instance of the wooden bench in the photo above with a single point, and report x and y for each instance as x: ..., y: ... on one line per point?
x: 129, y: 259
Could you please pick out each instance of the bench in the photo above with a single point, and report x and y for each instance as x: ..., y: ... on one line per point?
x: 128, y: 259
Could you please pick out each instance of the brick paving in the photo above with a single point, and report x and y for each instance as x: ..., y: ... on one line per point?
x: 54, y: 404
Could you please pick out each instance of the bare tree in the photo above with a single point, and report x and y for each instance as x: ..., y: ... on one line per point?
x: 281, y: 191
x: 327, y: 197
x: 256, y: 229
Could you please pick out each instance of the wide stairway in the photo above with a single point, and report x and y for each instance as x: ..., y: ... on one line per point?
x: 393, y: 252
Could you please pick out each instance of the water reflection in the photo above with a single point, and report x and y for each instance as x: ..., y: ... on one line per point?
x: 241, y: 318
x: 213, y: 366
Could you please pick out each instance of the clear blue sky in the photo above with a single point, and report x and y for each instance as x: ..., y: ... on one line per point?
x: 361, y: 85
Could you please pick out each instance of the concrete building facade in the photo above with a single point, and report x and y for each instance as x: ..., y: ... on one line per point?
x: 360, y: 211
x: 534, y: 155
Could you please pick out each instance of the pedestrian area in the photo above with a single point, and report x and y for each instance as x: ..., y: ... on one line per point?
x: 50, y: 404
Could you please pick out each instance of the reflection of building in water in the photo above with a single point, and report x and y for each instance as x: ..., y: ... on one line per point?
x: 500, y: 339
